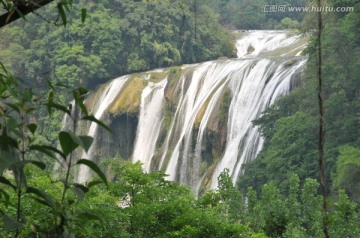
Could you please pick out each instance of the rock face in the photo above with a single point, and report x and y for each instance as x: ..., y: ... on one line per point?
x: 196, y: 120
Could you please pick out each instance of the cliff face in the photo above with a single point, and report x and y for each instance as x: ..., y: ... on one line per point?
x: 196, y: 120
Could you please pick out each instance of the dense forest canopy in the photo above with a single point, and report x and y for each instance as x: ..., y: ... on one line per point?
x: 290, y: 126
x: 118, y: 37
x: 278, y: 194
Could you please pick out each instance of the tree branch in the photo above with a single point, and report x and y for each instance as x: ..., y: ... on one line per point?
x: 321, y: 123
x: 20, y: 9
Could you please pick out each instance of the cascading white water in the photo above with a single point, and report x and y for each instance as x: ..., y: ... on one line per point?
x: 150, y: 120
x: 251, y: 97
x: 254, y: 83
x: 205, y: 80
x: 256, y: 43
x: 106, y: 98
x: 186, y: 151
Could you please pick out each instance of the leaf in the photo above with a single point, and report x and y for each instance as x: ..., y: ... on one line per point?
x: 83, y: 15
x: 80, y: 194
x: 68, y: 142
x: 86, y: 142
x: 47, y: 199
x: 93, y: 183
x: 82, y: 106
x: 5, y: 197
x: 6, y: 6
x: 46, y: 149
x: 4, y: 180
x: 61, y: 10
x: 14, y: 107
x: 65, y: 183
x: 82, y: 187
x: 84, y: 215
x: 7, y: 140
x: 57, y: 106
x: 50, y: 100
x: 13, y: 124
x: 20, y: 13
x: 78, y: 95
x: 9, y: 223
x: 41, y: 201
x: 80, y: 191
x: 7, y: 160
x: 100, y: 123
x: 94, y: 168
x: 38, y: 164
x: 3, y: 66
x: 32, y: 127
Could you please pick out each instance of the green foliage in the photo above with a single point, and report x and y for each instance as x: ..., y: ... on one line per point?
x: 19, y: 151
x: 347, y: 170
x: 291, y: 149
x: 290, y: 125
x: 288, y: 23
x: 227, y: 200
x: 147, y: 205
x: 249, y: 15
x: 345, y: 220
x: 117, y: 38
x: 299, y: 213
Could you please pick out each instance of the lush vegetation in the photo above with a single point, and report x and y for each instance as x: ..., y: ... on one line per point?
x: 291, y: 125
x: 35, y: 201
x: 117, y: 37
x: 279, y: 190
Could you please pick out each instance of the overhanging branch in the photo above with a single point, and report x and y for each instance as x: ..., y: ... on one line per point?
x: 20, y: 9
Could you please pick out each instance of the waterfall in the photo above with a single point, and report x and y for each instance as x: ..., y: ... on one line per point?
x: 251, y: 97
x: 150, y: 120
x: 195, y: 120
x: 106, y: 98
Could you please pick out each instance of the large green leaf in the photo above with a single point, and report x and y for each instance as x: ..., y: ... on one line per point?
x: 93, y: 183
x: 7, y: 160
x: 38, y: 164
x: 4, y: 180
x: 45, y: 198
x: 68, y: 142
x: 32, y: 127
x: 93, y: 119
x: 80, y: 190
x: 57, y: 106
x: 94, y: 168
x: 86, y: 142
x: 62, y: 13
x: 48, y: 150
x: 8, y: 141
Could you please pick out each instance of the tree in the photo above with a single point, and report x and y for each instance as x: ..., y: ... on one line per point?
x: 347, y: 170
x: 156, y: 207
x: 19, y: 149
